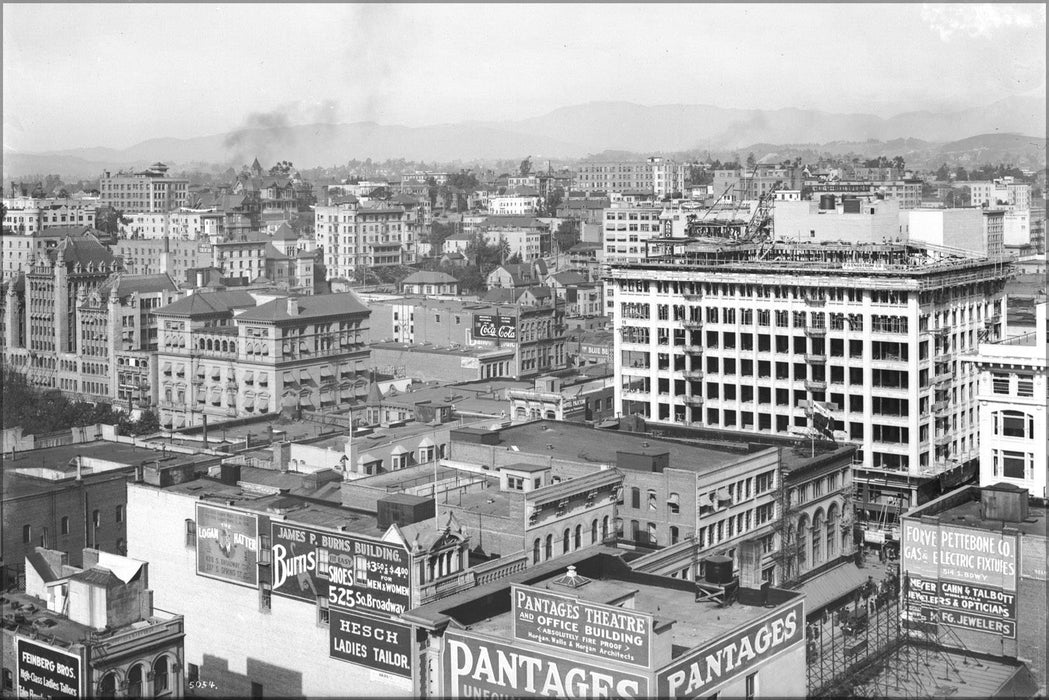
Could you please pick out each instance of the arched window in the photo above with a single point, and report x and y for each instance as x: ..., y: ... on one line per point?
x: 549, y: 553
x: 233, y: 346
x: 65, y: 525
x: 160, y: 675
x: 107, y: 687
x: 675, y: 534
x: 535, y: 551
x: 225, y: 346
x: 817, y: 537
x: 604, y: 528
x: 800, y: 534
x: 521, y: 412
x: 593, y: 532
x: 550, y: 415
x: 210, y: 344
x: 832, y: 531
x: 566, y: 540
x: 200, y: 343
x: 578, y: 536
x: 134, y: 681
x: 635, y: 497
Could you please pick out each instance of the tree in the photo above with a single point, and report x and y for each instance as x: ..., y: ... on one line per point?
x: 109, y: 219
x: 557, y: 196
x: 898, y: 163
x: 526, y: 166
x: 961, y: 174
x: 283, y: 167
x: 943, y: 173
x: 751, y: 161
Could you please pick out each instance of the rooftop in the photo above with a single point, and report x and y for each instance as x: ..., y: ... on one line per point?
x: 461, y: 351
x: 968, y: 513
x: 600, y: 446
x: 311, y: 306
x: 208, y: 303
x: 486, y: 609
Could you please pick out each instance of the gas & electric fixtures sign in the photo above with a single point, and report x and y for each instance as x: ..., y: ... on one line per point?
x: 44, y: 671
x: 351, y: 572
x: 696, y: 673
x: 476, y: 666
x: 563, y: 622
x: 378, y: 644
x: 495, y: 327
x: 227, y: 545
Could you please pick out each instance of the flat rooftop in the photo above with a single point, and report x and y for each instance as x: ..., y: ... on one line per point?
x: 487, y: 609
x: 968, y: 515
x: 426, y: 349
x: 54, y: 628
x: 579, y: 442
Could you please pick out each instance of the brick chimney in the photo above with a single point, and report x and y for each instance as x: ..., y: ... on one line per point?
x: 293, y: 306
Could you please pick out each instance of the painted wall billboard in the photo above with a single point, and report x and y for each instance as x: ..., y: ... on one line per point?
x: 962, y: 605
x: 563, y: 622
x: 44, y: 670
x: 1032, y: 557
x: 697, y: 673
x: 495, y: 327
x: 935, y: 551
x: 377, y: 644
x: 353, y: 573
x: 476, y: 666
x: 227, y: 545
x: 962, y: 577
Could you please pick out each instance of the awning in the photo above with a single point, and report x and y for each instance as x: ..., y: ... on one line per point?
x: 289, y: 378
x: 200, y: 372
x: 304, y: 375
x: 166, y: 421
x: 264, y: 379
x: 832, y: 585
x: 167, y: 368
x: 249, y: 377
x: 673, y: 499
x: 216, y: 373
x: 723, y: 495
x: 326, y: 371
x: 181, y: 370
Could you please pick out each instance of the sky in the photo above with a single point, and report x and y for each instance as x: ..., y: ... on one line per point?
x: 82, y: 75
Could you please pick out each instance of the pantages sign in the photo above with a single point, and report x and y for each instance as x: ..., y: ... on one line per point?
x: 495, y: 327
x: 476, y: 666
x: 697, y: 673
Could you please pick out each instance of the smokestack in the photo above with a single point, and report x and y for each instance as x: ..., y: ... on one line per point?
x: 79, y: 468
x: 293, y: 306
x: 205, y: 432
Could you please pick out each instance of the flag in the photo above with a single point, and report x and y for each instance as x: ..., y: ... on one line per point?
x: 821, y: 418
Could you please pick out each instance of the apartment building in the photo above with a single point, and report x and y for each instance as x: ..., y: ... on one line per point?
x: 1005, y: 192
x: 514, y: 204
x: 1011, y: 390
x: 626, y: 228
x: 745, y: 339
x: 654, y: 175
x: 355, y: 236
x: 742, y: 184
x: 907, y: 192
x: 148, y: 191
x: 34, y: 215
x: 19, y: 252
x: 173, y: 256
x: 223, y: 356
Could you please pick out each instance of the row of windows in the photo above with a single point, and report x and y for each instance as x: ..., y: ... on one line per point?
x: 96, y: 520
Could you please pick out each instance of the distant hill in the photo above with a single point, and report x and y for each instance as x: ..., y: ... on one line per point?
x: 573, y: 132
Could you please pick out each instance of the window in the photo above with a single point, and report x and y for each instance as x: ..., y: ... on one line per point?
x: 635, y: 498
x: 673, y: 504
x: 27, y: 534
x: 651, y: 499
x: 9, y: 679
x: 752, y: 685
x: 120, y: 514
x: 64, y: 525
x: 323, y: 611
x: 134, y: 680
x: 256, y: 689
x: 160, y: 675
x: 96, y: 518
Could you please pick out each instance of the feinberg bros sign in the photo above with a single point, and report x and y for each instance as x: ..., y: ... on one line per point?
x: 45, y: 671
x: 961, y: 577
x: 475, y: 665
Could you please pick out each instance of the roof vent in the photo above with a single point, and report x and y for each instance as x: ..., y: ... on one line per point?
x: 571, y: 579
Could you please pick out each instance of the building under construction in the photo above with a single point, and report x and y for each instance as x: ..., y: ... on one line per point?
x: 748, y: 335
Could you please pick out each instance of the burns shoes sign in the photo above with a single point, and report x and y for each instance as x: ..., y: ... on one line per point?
x: 492, y: 327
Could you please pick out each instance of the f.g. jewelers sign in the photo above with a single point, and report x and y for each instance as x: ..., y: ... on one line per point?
x: 563, y: 622
x: 696, y: 673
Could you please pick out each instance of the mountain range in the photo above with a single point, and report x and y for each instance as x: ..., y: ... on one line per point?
x: 565, y: 133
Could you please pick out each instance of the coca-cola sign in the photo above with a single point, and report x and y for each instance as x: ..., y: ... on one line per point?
x: 490, y: 326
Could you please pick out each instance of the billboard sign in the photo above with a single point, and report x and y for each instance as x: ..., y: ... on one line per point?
x: 495, y: 327
x: 227, y: 545
x: 563, y: 622
x: 962, y: 605
x: 966, y: 555
x: 353, y: 573
x: 1032, y: 558
x: 697, y: 673
x: 475, y: 666
x: 367, y: 641
x: 46, y: 671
